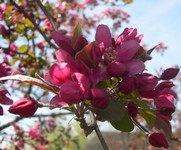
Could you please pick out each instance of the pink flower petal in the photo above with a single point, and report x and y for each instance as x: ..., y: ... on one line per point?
x: 60, y: 73
x: 63, y: 56
x: 135, y: 67
x: 71, y: 93
x: 57, y: 101
x: 103, y: 35
x: 127, y: 50
x: 62, y: 41
x: 116, y: 69
x: 82, y: 80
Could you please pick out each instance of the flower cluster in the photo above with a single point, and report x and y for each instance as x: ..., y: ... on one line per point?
x: 108, y: 75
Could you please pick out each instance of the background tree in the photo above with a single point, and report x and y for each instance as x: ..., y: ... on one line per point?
x: 27, y: 30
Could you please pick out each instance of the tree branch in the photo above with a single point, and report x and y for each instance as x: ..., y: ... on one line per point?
x: 50, y: 18
x: 34, y: 23
x: 17, y: 119
x: 98, y: 132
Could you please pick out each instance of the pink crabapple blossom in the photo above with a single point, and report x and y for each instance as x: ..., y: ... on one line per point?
x: 104, y: 75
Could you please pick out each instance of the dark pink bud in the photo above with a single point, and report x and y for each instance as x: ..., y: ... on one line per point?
x: 147, y: 82
x: 148, y: 94
x: 100, y: 98
x: 163, y: 85
x: 165, y: 105
x: 132, y: 109
x: 2, y: 29
x: 40, y: 45
x: 127, y: 85
x: 116, y: 69
x: 169, y: 73
x: 25, y: 107
x: 158, y: 140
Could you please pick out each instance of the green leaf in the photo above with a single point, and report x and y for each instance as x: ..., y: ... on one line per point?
x: 125, y: 124
x: 22, y: 49
x: 149, y: 116
x: 128, y: 1
x: 140, y: 103
x: 114, y: 112
x: 27, y: 23
x: 77, y: 33
x: 13, y: 61
x: 19, y: 27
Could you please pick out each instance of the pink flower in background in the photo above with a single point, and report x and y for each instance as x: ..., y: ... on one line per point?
x: 40, y: 45
x: 3, y: 30
x: 92, y: 2
x: 41, y: 147
x: 4, y: 70
x: 19, y: 143
x: 34, y: 132
x: 4, y: 99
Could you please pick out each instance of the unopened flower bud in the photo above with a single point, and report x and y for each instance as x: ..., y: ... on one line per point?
x: 25, y: 107
x: 169, y: 73
x: 132, y: 109
x: 100, y: 98
x: 127, y: 85
x: 158, y: 140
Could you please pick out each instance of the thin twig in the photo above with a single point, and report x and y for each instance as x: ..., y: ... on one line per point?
x: 34, y: 23
x: 98, y: 132
x: 175, y: 139
x: 140, y: 126
x: 48, y: 15
x: 17, y: 119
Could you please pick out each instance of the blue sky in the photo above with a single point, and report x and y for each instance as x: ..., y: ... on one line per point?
x: 158, y: 20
